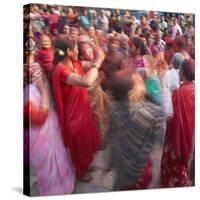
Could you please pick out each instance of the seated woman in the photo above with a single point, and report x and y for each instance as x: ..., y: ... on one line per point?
x: 135, y: 125
x: 178, y: 145
x: 70, y: 85
x: 42, y: 133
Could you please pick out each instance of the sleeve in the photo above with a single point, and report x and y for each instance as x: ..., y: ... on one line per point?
x: 36, y: 74
x: 65, y: 74
x: 33, y: 114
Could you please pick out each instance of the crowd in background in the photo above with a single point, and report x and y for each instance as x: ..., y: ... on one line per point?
x: 97, y: 78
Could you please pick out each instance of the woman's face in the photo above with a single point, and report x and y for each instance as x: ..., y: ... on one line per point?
x: 161, y: 69
x: 66, y: 29
x: 91, y: 31
x: 88, y: 53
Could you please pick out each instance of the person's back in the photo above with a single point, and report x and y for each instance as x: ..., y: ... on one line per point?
x: 135, y: 125
x: 103, y: 22
x: 172, y: 79
x: 172, y: 76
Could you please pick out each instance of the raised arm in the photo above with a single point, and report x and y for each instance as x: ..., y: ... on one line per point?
x: 92, y: 74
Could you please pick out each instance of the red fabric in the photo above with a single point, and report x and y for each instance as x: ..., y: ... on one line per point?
x: 180, y: 129
x: 53, y: 20
x: 144, y: 180
x: 78, y: 127
x: 45, y: 58
x: 169, y: 41
x: 174, y: 173
x: 168, y: 55
x: 33, y: 114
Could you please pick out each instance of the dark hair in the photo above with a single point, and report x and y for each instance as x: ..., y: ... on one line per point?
x: 187, y: 68
x: 142, y: 35
x: 154, y: 25
x: 121, y: 83
x: 180, y: 42
x: 62, y: 44
x: 80, y: 49
x: 139, y: 44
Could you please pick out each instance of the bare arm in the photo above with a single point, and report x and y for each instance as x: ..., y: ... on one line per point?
x: 92, y: 74
x: 84, y: 81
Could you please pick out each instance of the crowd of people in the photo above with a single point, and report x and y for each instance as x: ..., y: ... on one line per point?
x: 98, y: 78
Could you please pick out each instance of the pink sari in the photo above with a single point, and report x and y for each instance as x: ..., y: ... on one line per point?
x: 49, y: 157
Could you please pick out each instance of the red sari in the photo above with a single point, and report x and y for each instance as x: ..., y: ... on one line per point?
x: 78, y: 127
x: 45, y: 58
x: 178, y: 147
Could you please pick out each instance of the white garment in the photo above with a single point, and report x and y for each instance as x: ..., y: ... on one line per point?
x: 172, y: 79
x: 163, y: 25
x: 167, y: 103
x: 103, y: 23
x: 176, y: 31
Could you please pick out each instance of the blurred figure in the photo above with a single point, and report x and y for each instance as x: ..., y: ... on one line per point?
x: 99, y: 100
x: 71, y: 17
x: 190, y: 29
x: 189, y: 44
x: 172, y: 76
x: 53, y: 20
x: 176, y: 29
x: 163, y: 23
x: 162, y: 69
x: 182, y: 23
x: 66, y: 30
x: 143, y: 23
x: 158, y: 44
x: 74, y: 34
x: 178, y: 146
x: 36, y: 20
x: 149, y: 43
x: 84, y: 19
x: 180, y: 46
x: 152, y: 82
x: 103, y: 22
x: 112, y: 62
x: 102, y: 40
x: 48, y: 155
x: 136, y: 51
x: 169, y: 48
x: 45, y: 55
x: 93, y: 18
x: 135, y: 125
x: 124, y: 45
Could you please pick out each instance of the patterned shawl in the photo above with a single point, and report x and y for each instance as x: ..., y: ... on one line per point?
x: 133, y: 130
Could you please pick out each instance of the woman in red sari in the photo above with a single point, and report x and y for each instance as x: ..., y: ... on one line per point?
x: 178, y: 146
x: 70, y: 85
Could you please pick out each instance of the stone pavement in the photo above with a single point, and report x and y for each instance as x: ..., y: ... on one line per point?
x: 103, y: 175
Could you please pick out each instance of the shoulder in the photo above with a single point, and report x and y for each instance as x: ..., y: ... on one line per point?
x: 60, y: 68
